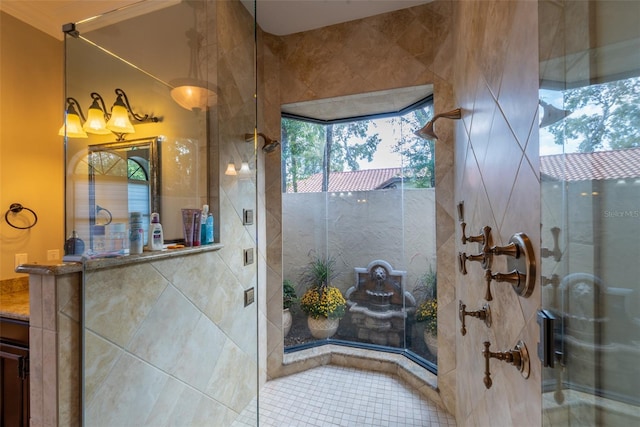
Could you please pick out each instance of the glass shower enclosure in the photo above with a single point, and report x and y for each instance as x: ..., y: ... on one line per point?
x: 166, y: 340
x: 590, y: 186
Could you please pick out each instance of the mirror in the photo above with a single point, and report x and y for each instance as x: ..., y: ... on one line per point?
x: 119, y: 171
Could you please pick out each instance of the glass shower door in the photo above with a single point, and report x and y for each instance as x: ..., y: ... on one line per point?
x: 590, y: 186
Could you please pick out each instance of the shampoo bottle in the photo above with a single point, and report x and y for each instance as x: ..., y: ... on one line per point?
x: 156, y: 238
x: 209, y: 228
x: 203, y: 224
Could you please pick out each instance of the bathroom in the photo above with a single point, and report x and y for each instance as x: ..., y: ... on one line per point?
x: 480, y: 56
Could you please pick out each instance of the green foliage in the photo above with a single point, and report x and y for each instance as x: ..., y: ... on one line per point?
x: 610, y: 119
x: 319, y: 271
x: 426, y: 287
x: 310, y: 148
x: 289, y: 296
x: 420, y: 153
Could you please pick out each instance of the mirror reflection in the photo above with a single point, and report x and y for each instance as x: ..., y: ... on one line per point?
x: 123, y: 177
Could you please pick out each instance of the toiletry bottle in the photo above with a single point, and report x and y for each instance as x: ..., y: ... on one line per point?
x: 209, y: 229
x: 74, y: 245
x: 156, y: 238
x: 136, y: 240
x: 203, y: 224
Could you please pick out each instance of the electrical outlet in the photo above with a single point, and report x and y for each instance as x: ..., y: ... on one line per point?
x: 21, y: 259
x: 53, y: 254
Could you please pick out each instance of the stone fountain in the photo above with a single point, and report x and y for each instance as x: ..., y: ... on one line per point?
x: 378, y: 304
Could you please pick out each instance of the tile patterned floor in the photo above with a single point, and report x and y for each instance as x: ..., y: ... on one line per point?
x: 338, y: 396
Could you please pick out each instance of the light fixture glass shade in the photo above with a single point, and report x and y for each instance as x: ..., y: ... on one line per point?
x: 73, y: 125
x: 119, y: 121
x: 192, y: 94
x: 231, y: 169
x: 245, y: 170
x: 95, y: 121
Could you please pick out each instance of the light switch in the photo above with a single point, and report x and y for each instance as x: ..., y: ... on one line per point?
x: 249, y: 296
x: 248, y: 256
x: 247, y: 216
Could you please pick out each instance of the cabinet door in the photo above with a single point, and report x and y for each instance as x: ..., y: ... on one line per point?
x: 14, y: 395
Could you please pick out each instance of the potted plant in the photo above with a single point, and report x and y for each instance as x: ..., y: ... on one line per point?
x: 289, y: 298
x: 427, y: 311
x: 323, y: 304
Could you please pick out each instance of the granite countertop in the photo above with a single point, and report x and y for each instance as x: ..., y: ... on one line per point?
x: 14, y: 300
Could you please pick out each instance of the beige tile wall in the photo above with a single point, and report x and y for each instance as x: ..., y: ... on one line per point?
x: 399, y: 49
x: 496, y: 174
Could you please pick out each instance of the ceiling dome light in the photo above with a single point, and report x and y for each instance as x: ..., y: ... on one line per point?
x: 193, y: 94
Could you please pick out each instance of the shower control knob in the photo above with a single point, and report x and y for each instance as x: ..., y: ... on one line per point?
x: 518, y: 357
x: 482, y: 238
x: 463, y: 257
x: 515, y: 278
x: 555, y: 253
x: 483, y: 314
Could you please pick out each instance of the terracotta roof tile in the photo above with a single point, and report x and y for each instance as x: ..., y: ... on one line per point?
x: 361, y: 180
x: 601, y: 165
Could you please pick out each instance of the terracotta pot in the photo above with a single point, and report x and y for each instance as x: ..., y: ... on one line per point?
x: 287, y: 320
x: 322, y: 327
x: 431, y: 341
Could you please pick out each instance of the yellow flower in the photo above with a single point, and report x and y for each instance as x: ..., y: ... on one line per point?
x: 428, y: 312
x: 324, y: 301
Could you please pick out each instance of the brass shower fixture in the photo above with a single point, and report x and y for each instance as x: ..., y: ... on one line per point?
x: 269, y: 144
x: 518, y: 357
x: 427, y: 132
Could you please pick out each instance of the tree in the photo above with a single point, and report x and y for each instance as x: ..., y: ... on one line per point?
x: 610, y: 116
x: 302, y: 151
x: 310, y: 148
x: 419, y: 153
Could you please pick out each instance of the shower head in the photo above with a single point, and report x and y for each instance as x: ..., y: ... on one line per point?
x: 269, y: 144
x: 551, y: 114
x: 427, y: 131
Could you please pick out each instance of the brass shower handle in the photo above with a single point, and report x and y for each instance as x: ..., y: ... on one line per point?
x: 511, y: 250
x: 482, y: 238
x: 482, y: 314
x: 514, y: 277
x: 556, y: 253
x: 518, y: 357
x: 463, y: 258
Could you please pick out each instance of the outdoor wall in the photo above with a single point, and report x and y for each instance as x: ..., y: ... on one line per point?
x: 399, y: 49
x: 497, y: 177
x: 31, y: 155
x: 357, y: 228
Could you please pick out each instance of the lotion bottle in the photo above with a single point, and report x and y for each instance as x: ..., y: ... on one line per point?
x: 156, y: 237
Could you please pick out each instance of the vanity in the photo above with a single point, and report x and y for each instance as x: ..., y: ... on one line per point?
x: 14, y: 352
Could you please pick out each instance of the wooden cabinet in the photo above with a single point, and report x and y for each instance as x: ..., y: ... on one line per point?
x: 14, y: 373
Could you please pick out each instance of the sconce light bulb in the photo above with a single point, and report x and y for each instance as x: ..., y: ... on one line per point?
x: 231, y: 169
x: 119, y: 121
x: 72, y: 127
x: 245, y: 170
x: 95, y: 121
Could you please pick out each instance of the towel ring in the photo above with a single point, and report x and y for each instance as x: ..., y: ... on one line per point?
x: 16, y: 208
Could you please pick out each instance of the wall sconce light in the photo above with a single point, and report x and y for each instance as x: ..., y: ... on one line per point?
x: 72, y: 127
x: 551, y: 114
x: 269, y: 144
x: 427, y: 132
x: 245, y: 171
x: 231, y: 168
x: 96, y: 122
x: 100, y: 122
